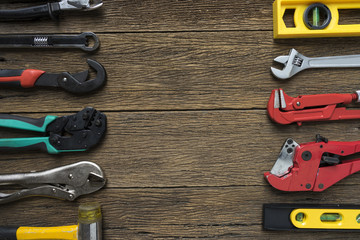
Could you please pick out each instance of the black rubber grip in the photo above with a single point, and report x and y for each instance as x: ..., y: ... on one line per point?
x: 34, y: 147
x: 39, y: 122
x: 29, y: 41
x: 13, y: 40
x: 51, y: 10
x: 10, y: 73
x: 8, y: 233
x: 53, y: 40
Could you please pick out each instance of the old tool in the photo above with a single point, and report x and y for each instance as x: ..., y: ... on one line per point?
x: 324, y: 217
x: 74, y: 83
x: 313, y: 19
x: 296, y: 62
x: 89, y: 227
x: 81, y: 41
x: 284, y: 109
x: 51, y: 9
x: 77, y: 132
x: 67, y: 182
x: 313, y: 166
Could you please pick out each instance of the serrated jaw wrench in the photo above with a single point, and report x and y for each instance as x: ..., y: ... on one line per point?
x: 295, y: 62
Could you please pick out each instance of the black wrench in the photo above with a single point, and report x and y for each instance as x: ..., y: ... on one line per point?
x: 86, y: 41
x: 74, y: 83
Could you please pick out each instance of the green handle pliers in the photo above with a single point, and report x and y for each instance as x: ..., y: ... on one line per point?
x: 77, y: 132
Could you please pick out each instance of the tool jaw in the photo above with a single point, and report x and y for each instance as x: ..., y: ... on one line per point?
x: 284, y: 109
x: 78, y: 83
x: 312, y: 170
x: 278, y: 106
x: 298, y: 177
x: 285, y: 160
x: 75, y: 83
x: 80, y: 4
x: 85, y: 129
x: 293, y: 64
x: 67, y: 182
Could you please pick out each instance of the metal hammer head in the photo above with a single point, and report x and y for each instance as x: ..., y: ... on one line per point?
x: 90, y: 222
x: 294, y: 63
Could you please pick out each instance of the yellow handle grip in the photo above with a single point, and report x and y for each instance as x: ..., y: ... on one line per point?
x: 41, y: 233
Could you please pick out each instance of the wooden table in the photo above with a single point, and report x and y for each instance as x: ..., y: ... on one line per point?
x: 188, y: 135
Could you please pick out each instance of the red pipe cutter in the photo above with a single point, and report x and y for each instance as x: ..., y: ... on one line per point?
x: 284, y: 109
x: 313, y: 166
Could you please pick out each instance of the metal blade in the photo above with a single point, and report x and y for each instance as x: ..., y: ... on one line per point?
x: 276, y: 99
x: 282, y: 99
x: 285, y: 159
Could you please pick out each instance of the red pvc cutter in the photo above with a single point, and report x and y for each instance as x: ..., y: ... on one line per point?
x: 313, y: 166
x: 284, y: 109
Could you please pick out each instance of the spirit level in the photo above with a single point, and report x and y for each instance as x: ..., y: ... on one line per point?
x: 314, y: 19
x: 311, y: 217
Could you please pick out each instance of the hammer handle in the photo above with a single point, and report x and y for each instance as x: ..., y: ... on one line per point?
x: 8, y: 233
x: 39, y: 233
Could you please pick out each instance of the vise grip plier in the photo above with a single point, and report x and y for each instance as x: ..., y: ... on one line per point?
x: 51, y: 9
x: 284, y: 109
x: 313, y: 166
x: 67, y: 182
x: 77, y: 132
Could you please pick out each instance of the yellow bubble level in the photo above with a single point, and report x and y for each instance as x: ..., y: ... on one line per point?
x: 313, y: 19
x: 311, y: 218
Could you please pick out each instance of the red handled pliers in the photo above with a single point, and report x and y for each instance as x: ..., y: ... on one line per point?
x: 284, y: 109
x: 75, y: 83
x: 313, y: 166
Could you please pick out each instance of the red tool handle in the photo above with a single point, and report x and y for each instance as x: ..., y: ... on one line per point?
x: 24, y: 78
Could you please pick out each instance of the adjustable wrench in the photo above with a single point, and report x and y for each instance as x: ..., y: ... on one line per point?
x: 296, y: 62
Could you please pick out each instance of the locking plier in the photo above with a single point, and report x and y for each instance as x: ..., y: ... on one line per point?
x: 77, y: 132
x: 67, y: 182
x: 51, y: 9
x: 313, y: 166
x: 284, y: 109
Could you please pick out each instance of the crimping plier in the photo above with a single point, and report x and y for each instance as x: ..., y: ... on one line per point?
x: 67, y: 182
x: 284, y: 109
x: 50, y: 9
x: 77, y: 132
x: 74, y: 83
x: 313, y: 166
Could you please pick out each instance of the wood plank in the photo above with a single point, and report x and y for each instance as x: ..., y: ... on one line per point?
x: 169, y: 71
x: 137, y: 16
x: 161, y: 15
x: 232, y: 212
x: 190, y: 148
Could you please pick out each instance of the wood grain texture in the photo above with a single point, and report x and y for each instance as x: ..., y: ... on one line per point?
x: 180, y: 71
x: 191, y: 174
x: 163, y: 15
x: 188, y: 136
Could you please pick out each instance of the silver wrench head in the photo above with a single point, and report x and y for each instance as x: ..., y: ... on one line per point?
x: 86, y: 5
x: 293, y: 63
